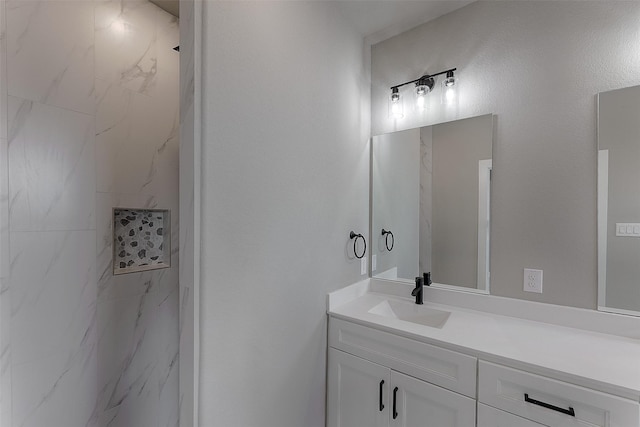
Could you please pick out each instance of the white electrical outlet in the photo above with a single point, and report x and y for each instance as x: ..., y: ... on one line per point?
x: 533, y: 280
x: 374, y: 262
x: 363, y: 266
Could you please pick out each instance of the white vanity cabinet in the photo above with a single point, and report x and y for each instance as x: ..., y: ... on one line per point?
x: 478, y: 368
x: 380, y: 379
x: 363, y: 393
x: 358, y: 392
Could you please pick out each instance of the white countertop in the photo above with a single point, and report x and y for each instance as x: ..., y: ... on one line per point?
x: 605, y: 362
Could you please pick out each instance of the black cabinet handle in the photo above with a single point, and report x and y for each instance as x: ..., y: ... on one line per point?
x: 395, y: 396
x: 381, y: 404
x: 569, y: 411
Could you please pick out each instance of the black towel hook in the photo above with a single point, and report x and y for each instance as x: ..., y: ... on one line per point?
x: 355, y: 236
x: 386, y: 239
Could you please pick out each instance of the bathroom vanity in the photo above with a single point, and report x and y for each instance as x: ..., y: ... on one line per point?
x: 464, y: 360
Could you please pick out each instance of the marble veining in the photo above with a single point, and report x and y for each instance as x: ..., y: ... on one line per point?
x: 5, y: 301
x: 5, y: 352
x: 44, y: 319
x: 3, y: 71
x: 4, y: 210
x: 53, y: 333
x: 126, y: 44
x: 57, y: 70
x: 138, y: 350
x: 51, y: 156
x: 137, y: 142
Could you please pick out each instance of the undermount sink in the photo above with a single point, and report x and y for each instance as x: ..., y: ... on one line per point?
x: 410, y: 312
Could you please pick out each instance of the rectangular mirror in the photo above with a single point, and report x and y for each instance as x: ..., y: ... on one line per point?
x: 431, y: 192
x: 619, y: 201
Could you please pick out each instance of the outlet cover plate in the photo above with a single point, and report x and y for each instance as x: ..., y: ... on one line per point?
x: 533, y: 280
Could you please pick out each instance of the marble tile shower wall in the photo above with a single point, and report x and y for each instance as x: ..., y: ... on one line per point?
x: 5, y: 306
x: 90, y: 97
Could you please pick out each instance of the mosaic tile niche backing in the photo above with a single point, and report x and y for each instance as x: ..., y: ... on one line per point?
x: 140, y: 240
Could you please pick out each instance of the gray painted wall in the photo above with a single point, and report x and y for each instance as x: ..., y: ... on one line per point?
x: 285, y: 174
x: 619, y: 132
x: 457, y: 148
x: 538, y: 67
x: 396, y: 201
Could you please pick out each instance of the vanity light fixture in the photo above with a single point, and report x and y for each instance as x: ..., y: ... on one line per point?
x: 423, y: 86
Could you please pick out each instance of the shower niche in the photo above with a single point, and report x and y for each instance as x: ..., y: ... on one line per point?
x: 141, y: 240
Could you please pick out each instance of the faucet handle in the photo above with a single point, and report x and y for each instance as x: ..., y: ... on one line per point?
x: 427, y: 278
x: 418, y: 288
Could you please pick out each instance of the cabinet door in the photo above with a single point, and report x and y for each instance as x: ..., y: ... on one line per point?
x: 492, y: 417
x: 357, y: 388
x: 420, y: 404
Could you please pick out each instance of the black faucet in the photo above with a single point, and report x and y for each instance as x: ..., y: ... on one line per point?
x: 417, y: 292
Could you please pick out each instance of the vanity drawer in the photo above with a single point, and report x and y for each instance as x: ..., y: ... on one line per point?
x: 445, y: 368
x: 551, y: 401
x: 492, y: 417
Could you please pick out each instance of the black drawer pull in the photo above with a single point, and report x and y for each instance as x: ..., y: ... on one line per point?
x: 381, y: 404
x: 569, y: 411
x: 395, y: 395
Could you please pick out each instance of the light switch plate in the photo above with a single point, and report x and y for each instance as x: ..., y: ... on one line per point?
x: 363, y: 266
x: 627, y: 229
x: 374, y: 262
x: 533, y: 280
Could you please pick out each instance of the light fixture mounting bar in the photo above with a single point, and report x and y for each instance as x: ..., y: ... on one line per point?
x: 426, y: 76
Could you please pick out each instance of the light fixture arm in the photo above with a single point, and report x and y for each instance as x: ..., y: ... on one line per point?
x: 426, y: 76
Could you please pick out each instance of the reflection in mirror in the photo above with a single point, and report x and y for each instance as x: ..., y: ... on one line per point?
x: 431, y: 190
x: 619, y: 201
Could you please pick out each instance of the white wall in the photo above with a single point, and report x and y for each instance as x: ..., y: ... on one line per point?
x: 92, y: 111
x: 284, y: 179
x: 538, y: 67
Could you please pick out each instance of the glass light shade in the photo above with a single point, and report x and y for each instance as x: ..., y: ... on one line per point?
x: 421, y: 96
x: 450, y: 81
x: 449, y: 90
x: 423, y: 87
x: 395, y: 105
